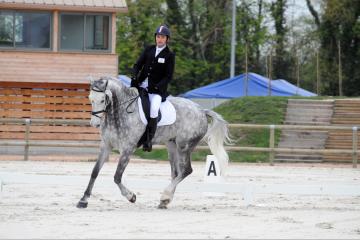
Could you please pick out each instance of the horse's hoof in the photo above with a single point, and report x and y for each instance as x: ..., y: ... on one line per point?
x: 163, y: 204
x: 133, y: 199
x: 82, y: 204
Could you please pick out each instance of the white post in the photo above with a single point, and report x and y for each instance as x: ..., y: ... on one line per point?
x: 354, y: 147
x: 212, y: 170
x: 27, y: 136
x: 272, y: 144
x: 213, y: 177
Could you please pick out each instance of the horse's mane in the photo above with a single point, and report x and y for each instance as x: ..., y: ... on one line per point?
x: 127, y: 90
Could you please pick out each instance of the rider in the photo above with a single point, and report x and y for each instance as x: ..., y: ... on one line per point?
x: 153, y: 71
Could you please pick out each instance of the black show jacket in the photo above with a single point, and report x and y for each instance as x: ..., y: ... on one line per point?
x: 159, y: 70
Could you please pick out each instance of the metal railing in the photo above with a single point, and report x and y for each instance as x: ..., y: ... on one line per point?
x: 271, y: 149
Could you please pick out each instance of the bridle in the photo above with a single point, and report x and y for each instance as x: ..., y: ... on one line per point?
x: 107, y: 102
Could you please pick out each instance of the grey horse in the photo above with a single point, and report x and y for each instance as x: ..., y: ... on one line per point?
x: 115, y: 112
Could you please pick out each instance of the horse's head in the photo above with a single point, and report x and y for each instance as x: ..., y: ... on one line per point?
x: 100, y: 98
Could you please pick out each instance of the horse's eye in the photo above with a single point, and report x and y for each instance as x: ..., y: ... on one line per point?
x: 102, y: 101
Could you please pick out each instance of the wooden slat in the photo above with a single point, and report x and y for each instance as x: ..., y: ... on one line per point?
x: 47, y: 107
x: 44, y: 92
x: 15, y: 99
x: 55, y: 67
x: 346, y: 112
x: 54, y: 136
x: 44, y: 114
x: 49, y: 129
x: 45, y: 85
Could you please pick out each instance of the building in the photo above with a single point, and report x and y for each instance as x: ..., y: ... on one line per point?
x: 48, y: 50
x: 58, y: 41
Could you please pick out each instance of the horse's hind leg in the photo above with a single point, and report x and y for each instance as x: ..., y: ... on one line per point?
x: 103, y: 156
x: 183, y: 168
x: 123, y: 162
x: 172, y: 153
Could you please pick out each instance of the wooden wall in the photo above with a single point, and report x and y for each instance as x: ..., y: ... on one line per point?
x: 55, y: 67
x: 46, y: 101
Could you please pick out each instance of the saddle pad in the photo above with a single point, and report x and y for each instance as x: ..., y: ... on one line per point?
x: 168, y: 113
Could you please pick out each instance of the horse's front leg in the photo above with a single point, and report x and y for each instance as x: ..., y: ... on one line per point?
x: 103, y: 156
x: 123, y: 162
x: 183, y: 168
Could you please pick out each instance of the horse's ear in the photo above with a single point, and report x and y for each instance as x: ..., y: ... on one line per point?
x: 108, y: 94
x: 90, y: 79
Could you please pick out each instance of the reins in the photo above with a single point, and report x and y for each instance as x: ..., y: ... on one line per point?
x: 132, y: 100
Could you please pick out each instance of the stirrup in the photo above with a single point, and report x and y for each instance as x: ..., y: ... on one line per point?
x: 147, y: 146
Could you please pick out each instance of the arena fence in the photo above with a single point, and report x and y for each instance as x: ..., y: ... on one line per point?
x: 28, y: 142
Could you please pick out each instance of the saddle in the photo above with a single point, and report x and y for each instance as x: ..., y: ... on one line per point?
x: 167, y: 113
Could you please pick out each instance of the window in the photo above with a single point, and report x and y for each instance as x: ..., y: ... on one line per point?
x: 85, y: 32
x: 6, y: 29
x: 25, y: 29
x: 97, y: 32
x: 72, y: 32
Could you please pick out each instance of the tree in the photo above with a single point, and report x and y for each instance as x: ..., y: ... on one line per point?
x: 281, y: 60
x: 338, y: 26
x: 136, y: 30
x: 251, y: 35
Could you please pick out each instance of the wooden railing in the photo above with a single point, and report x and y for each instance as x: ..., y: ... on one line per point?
x: 27, y: 142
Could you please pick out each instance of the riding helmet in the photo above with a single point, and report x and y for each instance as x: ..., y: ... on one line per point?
x: 163, y: 30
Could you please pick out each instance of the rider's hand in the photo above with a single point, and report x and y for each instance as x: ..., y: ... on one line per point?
x: 134, y: 83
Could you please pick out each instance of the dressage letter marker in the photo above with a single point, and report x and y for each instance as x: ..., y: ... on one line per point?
x: 212, y: 177
x: 212, y: 170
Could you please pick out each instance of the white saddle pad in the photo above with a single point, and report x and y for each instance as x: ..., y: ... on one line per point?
x: 168, y: 113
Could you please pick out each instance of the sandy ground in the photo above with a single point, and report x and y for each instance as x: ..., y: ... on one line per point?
x: 310, y: 201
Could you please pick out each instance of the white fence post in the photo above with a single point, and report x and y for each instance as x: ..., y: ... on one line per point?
x: 355, y: 145
x: 27, y: 135
x: 272, y: 144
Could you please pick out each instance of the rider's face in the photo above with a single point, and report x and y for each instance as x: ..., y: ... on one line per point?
x: 160, y: 40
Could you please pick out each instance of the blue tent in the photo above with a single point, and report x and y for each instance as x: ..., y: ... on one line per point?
x: 257, y: 85
x: 281, y: 83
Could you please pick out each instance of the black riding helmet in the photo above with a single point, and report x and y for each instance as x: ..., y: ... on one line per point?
x: 163, y: 30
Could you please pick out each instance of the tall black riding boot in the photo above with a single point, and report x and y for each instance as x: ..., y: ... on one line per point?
x: 152, y: 124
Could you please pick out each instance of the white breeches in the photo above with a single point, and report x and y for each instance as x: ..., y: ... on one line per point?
x: 155, y: 101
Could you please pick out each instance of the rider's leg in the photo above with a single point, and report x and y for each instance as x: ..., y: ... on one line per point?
x: 155, y: 101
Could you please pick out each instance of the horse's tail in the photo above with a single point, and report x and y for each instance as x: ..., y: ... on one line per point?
x: 216, y: 136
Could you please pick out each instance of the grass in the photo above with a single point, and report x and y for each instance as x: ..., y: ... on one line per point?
x: 252, y: 110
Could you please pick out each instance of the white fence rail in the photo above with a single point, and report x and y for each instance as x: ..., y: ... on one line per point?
x: 271, y: 149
